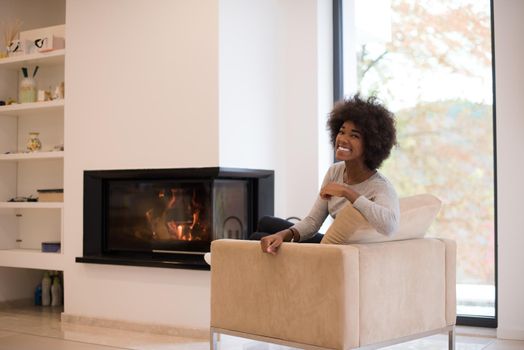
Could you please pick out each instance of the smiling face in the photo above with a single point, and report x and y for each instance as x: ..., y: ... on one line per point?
x: 349, y: 144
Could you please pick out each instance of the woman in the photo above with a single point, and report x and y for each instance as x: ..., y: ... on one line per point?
x: 363, y: 134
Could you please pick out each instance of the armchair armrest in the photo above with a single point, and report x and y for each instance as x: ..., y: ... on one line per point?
x: 307, y: 293
x: 406, y: 288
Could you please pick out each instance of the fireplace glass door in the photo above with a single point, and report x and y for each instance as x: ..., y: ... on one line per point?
x: 174, y: 216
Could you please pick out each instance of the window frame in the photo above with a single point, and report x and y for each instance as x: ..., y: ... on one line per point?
x: 338, y: 94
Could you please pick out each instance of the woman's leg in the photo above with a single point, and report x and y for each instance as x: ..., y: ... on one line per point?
x: 315, y: 239
x: 267, y: 225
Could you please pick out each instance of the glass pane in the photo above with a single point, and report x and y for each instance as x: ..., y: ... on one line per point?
x: 230, y: 209
x: 145, y: 215
x: 430, y: 62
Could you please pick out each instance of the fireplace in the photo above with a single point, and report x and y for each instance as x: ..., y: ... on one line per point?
x: 168, y: 217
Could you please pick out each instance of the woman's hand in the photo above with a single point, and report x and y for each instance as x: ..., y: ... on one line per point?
x: 270, y: 244
x: 338, y: 190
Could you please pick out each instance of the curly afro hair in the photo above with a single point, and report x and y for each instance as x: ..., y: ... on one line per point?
x: 376, y: 123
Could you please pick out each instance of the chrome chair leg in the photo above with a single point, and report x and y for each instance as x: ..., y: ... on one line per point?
x: 451, y: 339
x: 213, y: 340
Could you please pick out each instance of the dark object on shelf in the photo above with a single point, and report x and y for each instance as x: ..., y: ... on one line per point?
x: 2, y: 103
x: 51, y: 190
x: 23, y: 199
x: 38, y: 295
x: 51, y: 247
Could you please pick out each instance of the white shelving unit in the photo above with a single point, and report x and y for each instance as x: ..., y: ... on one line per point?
x: 21, y: 109
x: 31, y: 259
x: 25, y: 225
x: 31, y: 205
x: 46, y: 58
x: 14, y: 157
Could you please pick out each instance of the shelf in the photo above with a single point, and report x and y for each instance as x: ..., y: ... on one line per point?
x: 14, y: 157
x: 31, y: 258
x: 32, y: 107
x: 41, y: 58
x: 31, y: 205
x: 22, y: 172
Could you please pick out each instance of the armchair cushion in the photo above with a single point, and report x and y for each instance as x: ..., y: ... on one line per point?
x: 416, y: 215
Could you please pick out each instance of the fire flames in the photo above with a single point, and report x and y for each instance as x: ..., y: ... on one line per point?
x: 178, y: 217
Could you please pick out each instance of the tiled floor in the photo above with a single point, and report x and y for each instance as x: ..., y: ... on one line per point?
x: 32, y: 328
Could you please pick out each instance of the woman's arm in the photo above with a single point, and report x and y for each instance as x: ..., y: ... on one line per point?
x: 270, y: 244
x: 302, y: 230
x: 309, y: 226
x: 338, y: 190
x: 381, y: 210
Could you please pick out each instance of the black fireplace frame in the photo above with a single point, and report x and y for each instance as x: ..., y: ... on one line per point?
x: 260, y: 188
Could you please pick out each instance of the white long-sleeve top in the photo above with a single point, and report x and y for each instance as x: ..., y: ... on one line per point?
x: 378, y: 203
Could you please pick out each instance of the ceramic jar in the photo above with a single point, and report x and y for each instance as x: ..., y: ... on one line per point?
x: 34, y: 144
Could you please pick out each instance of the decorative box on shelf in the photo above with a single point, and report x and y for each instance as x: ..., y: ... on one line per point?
x: 43, y: 39
x: 51, y: 195
x: 50, y: 247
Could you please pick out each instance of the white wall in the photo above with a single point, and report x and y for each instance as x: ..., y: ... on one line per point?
x: 275, y: 93
x: 18, y: 284
x: 509, y: 68
x: 248, y: 39
x: 141, y: 92
x: 305, y: 99
x: 33, y: 14
x: 188, y: 83
x: 144, y: 83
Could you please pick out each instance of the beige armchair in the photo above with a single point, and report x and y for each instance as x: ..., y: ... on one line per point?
x: 325, y: 296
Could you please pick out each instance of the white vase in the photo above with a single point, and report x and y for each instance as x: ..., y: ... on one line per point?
x: 46, y: 289
x: 56, y: 292
x: 27, y: 90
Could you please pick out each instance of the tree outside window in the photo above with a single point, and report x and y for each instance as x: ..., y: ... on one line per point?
x: 430, y: 62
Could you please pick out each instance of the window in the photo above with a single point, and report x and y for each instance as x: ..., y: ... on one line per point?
x: 430, y: 63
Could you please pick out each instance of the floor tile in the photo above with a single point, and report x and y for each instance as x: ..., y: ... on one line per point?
x: 40, y: 328
x: 436, y: 342
x: 440, y: 342
x: 126, y: 339
x: 5, y: 334
x: 502, y: 344
x: 31, y: 342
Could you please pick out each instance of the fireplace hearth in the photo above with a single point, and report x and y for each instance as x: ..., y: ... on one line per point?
x: 169, y: 217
